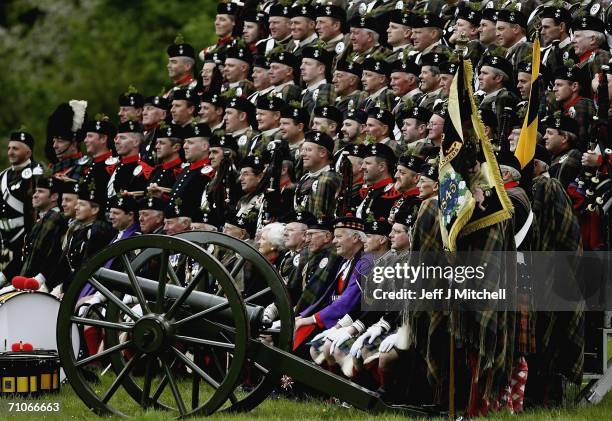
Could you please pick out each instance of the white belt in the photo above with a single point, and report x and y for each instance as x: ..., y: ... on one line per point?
x: 7, y: 224
x: 11, y: 200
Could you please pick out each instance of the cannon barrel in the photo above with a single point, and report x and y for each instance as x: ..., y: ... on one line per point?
x: 196, y: 300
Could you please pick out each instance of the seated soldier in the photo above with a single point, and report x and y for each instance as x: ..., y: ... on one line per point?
x: 43, y: 244
x: 343, y: 295
x: 341, y: 338
x: 241, y: 227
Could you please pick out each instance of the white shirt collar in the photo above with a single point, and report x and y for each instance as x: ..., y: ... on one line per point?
x: 21, y: 166
x: 278, y: 88
x: 318, y: 172
x: 316, y: 85
x: 337, y: 38
x: 307, y: 40
x: 377, y: 93
x: 270, y: 132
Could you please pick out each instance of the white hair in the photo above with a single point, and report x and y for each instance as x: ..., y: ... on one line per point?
x: 275, y: 232
x: 599, y: 37
x: 514, y: 173
x: 360, y: 234
x: 499, y: 72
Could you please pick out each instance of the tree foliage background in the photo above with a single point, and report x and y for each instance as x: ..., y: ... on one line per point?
x: 52, y: 51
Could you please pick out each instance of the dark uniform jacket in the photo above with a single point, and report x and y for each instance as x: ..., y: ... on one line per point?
x: 98, y: 170
x: 565, y: 167
x: 43, y: 244
x: 85, y: 242
x: 165, y: 174
x: 322, y: 93
x: 16, y: 213
x: 378, y: 199
x: 351, y: 101
x: 316, y: 192
x: 130, y: 174
x: 189, y: 186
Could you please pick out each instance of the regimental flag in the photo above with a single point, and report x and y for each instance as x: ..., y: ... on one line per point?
x: 526, y: 146
x: 467, y: 202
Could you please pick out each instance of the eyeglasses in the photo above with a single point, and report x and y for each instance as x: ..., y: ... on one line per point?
x: 430, y: 124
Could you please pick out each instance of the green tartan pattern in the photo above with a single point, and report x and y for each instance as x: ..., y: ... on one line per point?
x: 489, y: 335
x: 319, y: 277
x: 325, y: 95
x: 43, y: 245
x: 560, y: 335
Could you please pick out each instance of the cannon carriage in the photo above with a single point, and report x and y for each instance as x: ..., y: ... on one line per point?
x: 199, y: 330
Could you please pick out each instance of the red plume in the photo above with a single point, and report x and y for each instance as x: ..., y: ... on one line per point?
x: 31, y: 284
x: 18, y: 282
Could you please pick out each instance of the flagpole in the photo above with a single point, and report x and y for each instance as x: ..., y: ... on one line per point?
x: 461, y: 50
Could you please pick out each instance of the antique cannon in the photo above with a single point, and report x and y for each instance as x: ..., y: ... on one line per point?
x: 197, y: 330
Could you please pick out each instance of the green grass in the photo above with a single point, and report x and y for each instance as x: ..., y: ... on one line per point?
x: 71, y: 408
x: 276, y: 409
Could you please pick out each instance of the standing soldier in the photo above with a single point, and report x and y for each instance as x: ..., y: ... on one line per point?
x: 558, y: 46
x: 315, y: 69
x: 187, y: 191
x: 379, y: 129
x: 427, y: 35
x: 212, y: 108
x: 364, y: 38
x: 406, y: 178
x: 331, y: 22
x: 168, y: 148
x: 302, y: 28
x: 64, y: 134
x: 284, y: 75
x: 405, y: 83
x: 99, y: 163
x: 181, y: 65
x: 375, y: 79
x: 346, y: 84
x: 261, y: 78
x: 511, y: 32
x: 430, y: 79
x: 318, y: 187
x: 379, y: 193
x: 293, y: 124
x: 16, y: 212
x: 250, y: 180
x: 279, y: 23
x: 237, y: 68
x: 239, y: 118
x: 130, y: 173
x: 130, y: 105
x: 44, y: 243
x: 588, y: 40
x: 90, y: 236
x: 326, y: 119
x: 185, y: 102
x: 561, y: 140
x: 222, y: 192
x: 495, y: 74
x: 567, y: 91
x: 267, y: 114
x: 153, y: 114
x: 399, y: 32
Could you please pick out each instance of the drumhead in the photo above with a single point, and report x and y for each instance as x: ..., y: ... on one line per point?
x: 31, y: 316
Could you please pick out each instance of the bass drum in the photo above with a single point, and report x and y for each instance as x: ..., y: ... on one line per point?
x: 31, y: 316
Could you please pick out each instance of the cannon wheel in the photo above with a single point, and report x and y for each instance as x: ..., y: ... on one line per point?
x: 274, y: 292
x: 153, y: 336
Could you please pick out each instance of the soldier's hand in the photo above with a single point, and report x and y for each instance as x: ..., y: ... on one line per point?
x: 154, y: 190
x: 590, y: 159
